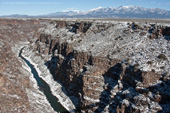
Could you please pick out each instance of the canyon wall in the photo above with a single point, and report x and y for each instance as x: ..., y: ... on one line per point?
x: 17, y: 88
x: 102, y: 66
x: 95, y: 80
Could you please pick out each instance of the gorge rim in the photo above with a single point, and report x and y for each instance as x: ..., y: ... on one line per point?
x: 84, y: 65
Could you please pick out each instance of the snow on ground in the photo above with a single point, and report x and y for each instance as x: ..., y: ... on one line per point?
x: 37, y: 100
x: 118, y: 40
x: 44, y: 73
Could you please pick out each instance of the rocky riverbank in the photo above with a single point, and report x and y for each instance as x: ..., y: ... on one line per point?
x: 56, y: 88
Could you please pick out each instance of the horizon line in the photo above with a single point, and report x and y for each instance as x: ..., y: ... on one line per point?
x: 67, y: 10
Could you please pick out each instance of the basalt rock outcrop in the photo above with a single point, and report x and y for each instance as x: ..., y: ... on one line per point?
x: 105, y: 66
x: 99, y: 83
x: 15, y: 81
x: 76, y: 27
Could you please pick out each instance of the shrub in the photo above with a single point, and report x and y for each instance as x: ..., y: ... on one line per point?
x: 128, y: 59
x: 71, y: 38
x: 142, y: 34
x: 162, y: 67
x: 153, y: 70
x: 134, y: 26
x: 108, y: 56
x: 136, y: 65
x: 162, y: 56
x: 149, y: 62
x: 79, y: 41
x: 117, y: 37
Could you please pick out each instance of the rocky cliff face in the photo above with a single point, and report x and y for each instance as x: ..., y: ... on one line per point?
x: 99, y: 65
x: 13, y: 97
x: 17, y: 93
x: 105, y: 66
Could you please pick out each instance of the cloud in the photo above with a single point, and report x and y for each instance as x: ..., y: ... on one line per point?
x: 168, y: 3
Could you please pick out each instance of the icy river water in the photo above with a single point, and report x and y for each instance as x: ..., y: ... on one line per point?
x: 44, y: 87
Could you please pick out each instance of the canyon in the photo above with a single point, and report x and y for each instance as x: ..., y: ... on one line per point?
x: 89, y: 65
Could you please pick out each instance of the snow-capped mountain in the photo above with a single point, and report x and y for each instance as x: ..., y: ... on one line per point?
x: 112, y: 12
x: 64, y: 13
x: 127, y: 12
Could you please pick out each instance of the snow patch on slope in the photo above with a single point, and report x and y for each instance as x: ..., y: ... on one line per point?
x: 44, y: 73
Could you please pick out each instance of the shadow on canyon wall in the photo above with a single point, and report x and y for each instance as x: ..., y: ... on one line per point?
x: 117, y: 76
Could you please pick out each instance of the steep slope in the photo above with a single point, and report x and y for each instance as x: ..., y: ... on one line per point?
x: 107, y: 66
x: 18, y: 89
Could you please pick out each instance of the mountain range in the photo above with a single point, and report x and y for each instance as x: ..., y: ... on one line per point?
x: 109, y: 12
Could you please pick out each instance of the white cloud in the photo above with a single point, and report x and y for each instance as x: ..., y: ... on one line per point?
x: 168, y: 3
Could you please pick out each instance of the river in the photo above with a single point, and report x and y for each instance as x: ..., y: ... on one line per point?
x: 44, y: 87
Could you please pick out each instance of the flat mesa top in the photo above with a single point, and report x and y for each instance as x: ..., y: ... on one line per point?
x: 97, y: 19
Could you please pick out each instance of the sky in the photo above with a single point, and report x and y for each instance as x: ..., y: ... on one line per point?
x: 39, y: 7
